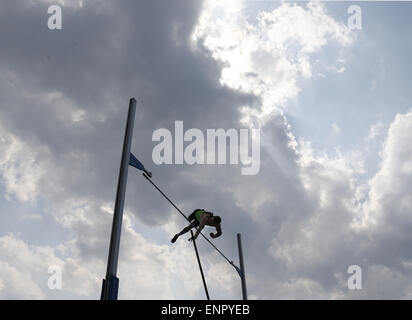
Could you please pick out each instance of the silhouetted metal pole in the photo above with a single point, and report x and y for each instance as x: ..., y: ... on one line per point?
x: 242, y: 267
x: 200, y: 267
x: 111, y: 283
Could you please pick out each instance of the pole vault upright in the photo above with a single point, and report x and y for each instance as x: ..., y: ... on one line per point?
x: 110, y: 285
x: 242, y: 267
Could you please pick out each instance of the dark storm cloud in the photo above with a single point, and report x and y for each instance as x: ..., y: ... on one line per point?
x: 105, y: 54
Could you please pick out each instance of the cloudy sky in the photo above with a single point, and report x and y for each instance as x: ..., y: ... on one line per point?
x: 333, y: 105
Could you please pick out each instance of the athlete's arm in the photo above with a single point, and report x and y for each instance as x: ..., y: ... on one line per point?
x: 218, y: 232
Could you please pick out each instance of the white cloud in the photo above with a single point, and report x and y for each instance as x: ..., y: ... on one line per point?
x: 375, y: 130
x: 23, y: 267
x: 19, y: 167
x: 146, y: 270
x: 372, y: 231
x: 267, y: 58
x: 389, y: 199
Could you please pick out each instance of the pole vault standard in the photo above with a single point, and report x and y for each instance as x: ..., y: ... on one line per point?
x: 110, y: 285
x: 242, y: 267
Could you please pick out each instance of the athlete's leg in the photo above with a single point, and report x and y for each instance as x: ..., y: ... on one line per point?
x: 185, y: 229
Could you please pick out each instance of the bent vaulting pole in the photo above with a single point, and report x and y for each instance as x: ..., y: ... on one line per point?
x: 111, y: 282
x: 242, y: 267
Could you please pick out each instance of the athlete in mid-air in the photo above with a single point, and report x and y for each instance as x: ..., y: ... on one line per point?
x: 199, y: 219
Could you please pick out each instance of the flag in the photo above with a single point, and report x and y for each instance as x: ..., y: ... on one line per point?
x: 134, y: 162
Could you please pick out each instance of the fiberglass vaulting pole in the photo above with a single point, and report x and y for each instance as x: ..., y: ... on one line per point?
x: 111, y: 282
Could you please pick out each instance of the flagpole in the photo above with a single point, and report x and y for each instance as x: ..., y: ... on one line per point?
x: 110, y: 285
